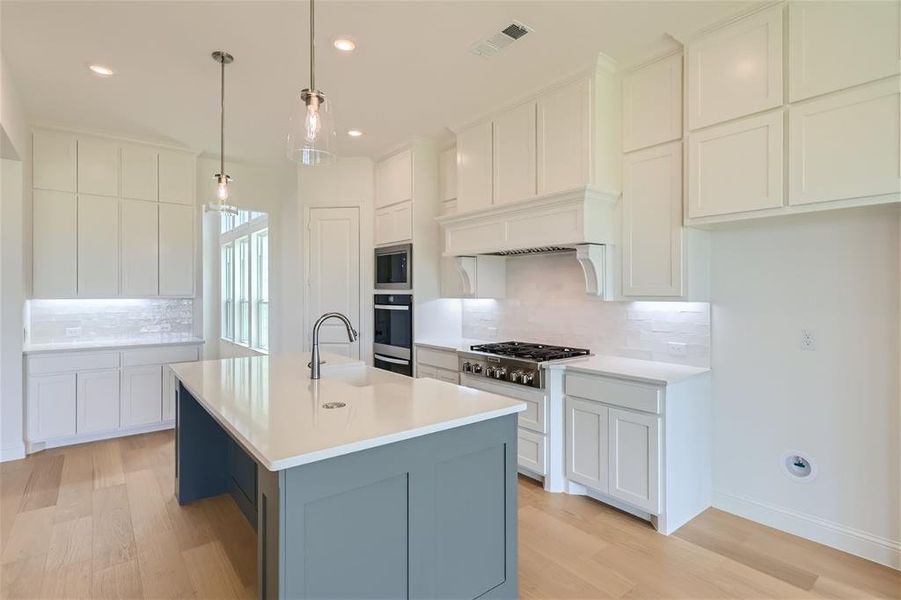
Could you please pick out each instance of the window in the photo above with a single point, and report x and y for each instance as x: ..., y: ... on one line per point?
x: 244, y: 242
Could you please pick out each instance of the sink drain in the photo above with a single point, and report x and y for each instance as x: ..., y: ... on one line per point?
x: 334, y: 405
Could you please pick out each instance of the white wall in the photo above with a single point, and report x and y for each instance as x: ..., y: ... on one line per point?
x: 837, y: 274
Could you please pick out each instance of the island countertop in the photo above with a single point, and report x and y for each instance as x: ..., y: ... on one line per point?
x: 271, y: 406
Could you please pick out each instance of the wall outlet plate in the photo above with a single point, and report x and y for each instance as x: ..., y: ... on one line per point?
x: 808, y: 341
x: 678, y: 348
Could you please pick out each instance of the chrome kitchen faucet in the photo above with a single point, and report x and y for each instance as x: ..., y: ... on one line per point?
x: 314, y: 358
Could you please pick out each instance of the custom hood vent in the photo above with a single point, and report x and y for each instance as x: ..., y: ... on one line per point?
x: 497, y: 42
x: 539, y: 250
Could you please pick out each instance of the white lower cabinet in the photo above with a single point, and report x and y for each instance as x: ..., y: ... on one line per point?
x: 97, y: 401
x: 633, y: 455
x: 142, y: 395
x: 169, y: 383
x: 437, y: 364
x: 531, y: 451
x: 51, y: 406
x: 586, y: 443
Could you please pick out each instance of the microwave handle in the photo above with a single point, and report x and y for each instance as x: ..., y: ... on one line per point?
x: 392, y: 307
x: 388, y: 359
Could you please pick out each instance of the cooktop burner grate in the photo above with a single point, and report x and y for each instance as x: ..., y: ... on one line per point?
x: 528, y: 351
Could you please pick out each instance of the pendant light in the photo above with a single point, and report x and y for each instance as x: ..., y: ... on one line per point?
x: 222, y: 202
x: 311, y: 132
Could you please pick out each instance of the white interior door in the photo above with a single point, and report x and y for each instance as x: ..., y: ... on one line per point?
x: 333, y: 276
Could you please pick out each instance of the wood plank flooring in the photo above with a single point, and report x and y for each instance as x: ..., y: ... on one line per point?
x: 100, y: 521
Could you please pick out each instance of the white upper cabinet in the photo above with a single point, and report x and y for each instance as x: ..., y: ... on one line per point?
x: 474, y: 167
x: 55, y: 246
x: 139, y: 172
x: 98, y: 246
x: 652, y: 104
x: 447, y: 175
x: 474, y: 277
x: 736, y: 70
x: 652, y: 221
x: 98, y: 167
x: 835, y: 45
x: 564, y: 138
x: 54, y: 166
x: 394, y: 179
x: 514, y: 154
x: 846, y: 145
x: 736, y: 167
x: 176, y: 238
x: 140, y: 248
x: 176, y: 177
x: 394, y: 223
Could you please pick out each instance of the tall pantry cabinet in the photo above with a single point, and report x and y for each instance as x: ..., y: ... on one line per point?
x: 112, y: 219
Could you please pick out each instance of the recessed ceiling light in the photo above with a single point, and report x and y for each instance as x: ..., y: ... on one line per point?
x: 101, y: 70
x: 354, y: 133
x: 345, y: 44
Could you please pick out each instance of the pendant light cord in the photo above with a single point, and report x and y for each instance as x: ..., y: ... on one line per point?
x: 222, y: 119
x: 312, y: 49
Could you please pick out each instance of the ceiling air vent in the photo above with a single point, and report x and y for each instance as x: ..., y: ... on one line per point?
x: 497, y: 42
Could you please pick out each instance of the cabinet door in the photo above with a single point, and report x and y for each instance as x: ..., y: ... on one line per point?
x: 51, y: 406
x: 846, y: 145
x: 98, y: 401
x: 54, y: 161
x: 474, y: 189
x: 382, y: 225
x: 514, y: 155
x: 736, y: 70
x: 634, y: 462
x: 176, y: 177
x: 98, y: 246
x: 55, y: 245
x: 736, y: 167
x: 176, y: 237
x: 652, y: 104
x: 139, y: 173
x: 170, y: 384
x: 564, y: 138
x: 394, y: 179
x: 140, y: 248
x: 586, y: 443
x: 142, y: 395
x: 652, y: 221
x: 394, y: 223
x: 531, y: 451
x: 447, y: 175
x: 98, y: 167
x: 835, y: 45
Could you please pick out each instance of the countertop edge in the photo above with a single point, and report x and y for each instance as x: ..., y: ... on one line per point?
x: 588, y: 370
x: 38, y: 349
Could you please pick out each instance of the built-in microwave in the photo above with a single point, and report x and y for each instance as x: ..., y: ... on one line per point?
x: 394, y: 267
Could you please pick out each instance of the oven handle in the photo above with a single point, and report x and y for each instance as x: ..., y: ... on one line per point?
x: 388, y: 359
x: 391, y: 307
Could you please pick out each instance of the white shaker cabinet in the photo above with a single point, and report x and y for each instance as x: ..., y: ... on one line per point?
x: 54, y: 161
x: 142, y: 393
x: 51, y: 406
x: 55, y: 244
x: 736, y: 70
x: 447, y: 175
x: 846, y: 145
x: 98, y: 246
x: 736, y: 167
x: 394, y: 179
x: 170, y: 384
x: 176, y: 177
x: 97, y: 401
x: 394, y: 223
x: 633, y: 450
x: 139, y: 172
x: 98, y: 167
x: 474, y: 167
x: 514, y: 154
x: 586, y: 443
x: 480, y: 276
x: 652, y: 221
x: 652, y: 103
x: 176, y: 250
x: 564, y: 138
x: 839, y: 44
x: 140, y: 248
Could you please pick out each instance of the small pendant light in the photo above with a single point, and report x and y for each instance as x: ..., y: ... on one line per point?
x: 311, y: 131
x: 222, y: 202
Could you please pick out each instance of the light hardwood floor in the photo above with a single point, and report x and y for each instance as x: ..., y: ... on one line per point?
x: 100, y: 520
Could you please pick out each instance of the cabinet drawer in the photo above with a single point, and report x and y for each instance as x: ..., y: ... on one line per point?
x: 530, y: 451
x: 436, y: 373
x: 437, y: 358
x: 159, y: 356
x: 637, y: 396
x: 72, y: 361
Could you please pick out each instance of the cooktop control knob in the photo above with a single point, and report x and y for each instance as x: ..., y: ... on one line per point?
x: 500, y: 373
x: 516, y: 376
x: 528, y: 377
x: 467, y: 367
x: 489, y: 372
x: 476, y: 368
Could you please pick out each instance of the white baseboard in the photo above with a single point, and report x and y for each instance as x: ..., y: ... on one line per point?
x: 847, y: 539
x: 94, y: 437
x: 14, y: 452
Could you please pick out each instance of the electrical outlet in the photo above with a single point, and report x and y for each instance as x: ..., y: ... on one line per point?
x: 678, y: 349
x: 73, y: 331
x: 808, y: 342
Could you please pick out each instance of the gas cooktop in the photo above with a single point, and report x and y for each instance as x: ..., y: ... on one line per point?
x: 514, y: 362
x: 527, y: 351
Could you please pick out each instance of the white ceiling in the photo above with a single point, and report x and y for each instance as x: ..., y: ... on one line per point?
x: 412, y: 73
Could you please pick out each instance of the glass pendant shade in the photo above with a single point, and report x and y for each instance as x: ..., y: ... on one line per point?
x: 311, y: 131
x: 222, y: 195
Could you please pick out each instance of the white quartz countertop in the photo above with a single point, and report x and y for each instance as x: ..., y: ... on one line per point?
x: 142, y: 342
x: 272, y: 407
x: 631, y: 368
x: 450, y: 344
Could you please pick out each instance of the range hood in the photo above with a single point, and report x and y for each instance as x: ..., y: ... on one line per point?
x: 581, y: 220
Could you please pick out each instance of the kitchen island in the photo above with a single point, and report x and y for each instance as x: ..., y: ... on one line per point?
x: 361, y: 484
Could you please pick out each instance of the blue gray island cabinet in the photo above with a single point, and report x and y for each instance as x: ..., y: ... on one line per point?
x: 362, y: 484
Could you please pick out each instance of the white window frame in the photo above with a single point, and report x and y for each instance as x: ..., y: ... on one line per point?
x: 254, y: 223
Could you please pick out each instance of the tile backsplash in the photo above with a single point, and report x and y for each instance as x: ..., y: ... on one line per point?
x: 546, y: 302
x: 54, y: 321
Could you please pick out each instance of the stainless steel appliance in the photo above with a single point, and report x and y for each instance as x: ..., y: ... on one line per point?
x: 514, y: 362
x: 394, y: 267
x: 392, y: 346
